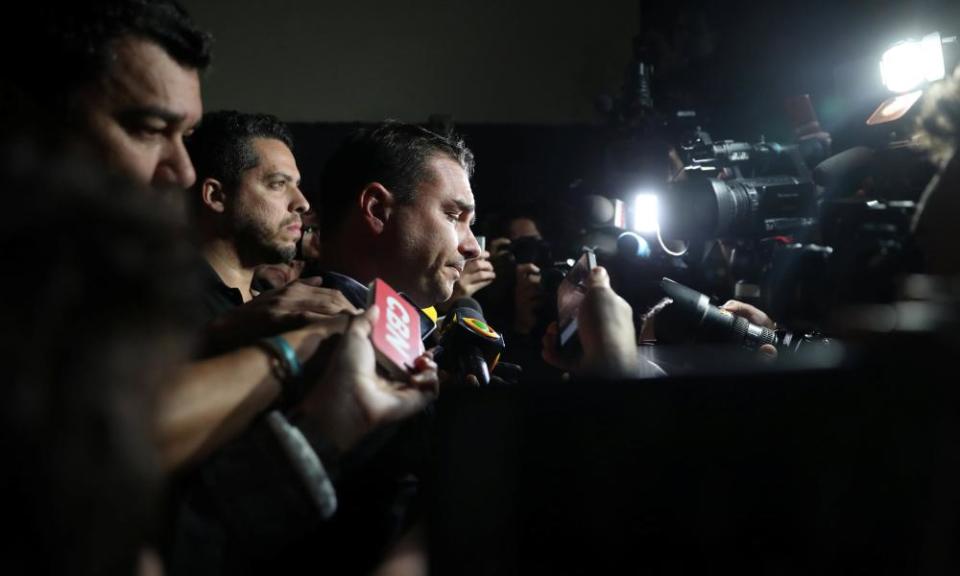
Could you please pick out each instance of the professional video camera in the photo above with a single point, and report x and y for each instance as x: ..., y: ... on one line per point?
x: 804, y: 244
x: 795, y: 242
x: 715, y: 200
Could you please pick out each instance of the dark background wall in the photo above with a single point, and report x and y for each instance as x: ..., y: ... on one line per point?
x: 527, y: 61
x: 521, y: 79
x: 545, y: 61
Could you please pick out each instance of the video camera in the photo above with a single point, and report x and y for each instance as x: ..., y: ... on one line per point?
x: 806, y: 245
x: 795, y: 242
x: 790, y: 228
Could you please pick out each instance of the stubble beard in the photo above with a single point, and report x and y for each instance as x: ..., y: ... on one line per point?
x: 257, y: 245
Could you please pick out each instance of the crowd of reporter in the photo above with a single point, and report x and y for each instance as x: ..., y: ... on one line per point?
x: 178, y: 315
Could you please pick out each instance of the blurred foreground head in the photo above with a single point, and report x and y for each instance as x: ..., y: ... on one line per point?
x: 96, y: 299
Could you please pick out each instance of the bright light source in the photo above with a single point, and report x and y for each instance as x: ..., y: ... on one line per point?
x: 645, y: 213
x: 907, y: 65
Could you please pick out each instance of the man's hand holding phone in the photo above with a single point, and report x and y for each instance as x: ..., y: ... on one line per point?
x: 604, y: 327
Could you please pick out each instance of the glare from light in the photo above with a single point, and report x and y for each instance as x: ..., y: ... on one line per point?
x: 907, y: 65
x: 645, y: 213
x: 902, y: 103
x: 619, y: 214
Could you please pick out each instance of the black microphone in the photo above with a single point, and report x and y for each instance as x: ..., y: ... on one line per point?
x: 841, y: 173
x: 710, y: 323
x: 468, y: 345
x: 599, y: 210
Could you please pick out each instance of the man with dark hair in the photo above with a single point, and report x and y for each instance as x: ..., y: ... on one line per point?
x: 247, y: 203
x: 247, y: 209
x: 122, y: 75
x: 397, y: 204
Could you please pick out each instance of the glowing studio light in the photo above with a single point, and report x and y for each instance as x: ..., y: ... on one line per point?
x: 645, y: 213
x: 907, y: 65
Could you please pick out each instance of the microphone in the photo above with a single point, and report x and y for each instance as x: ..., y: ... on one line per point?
x: 468, y: 345
x: 841, y: 173
x: 693, y: 313
x: 690, y: 317
x: 599, y: 210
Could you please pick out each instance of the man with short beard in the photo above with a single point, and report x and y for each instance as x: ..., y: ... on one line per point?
x: 246, y: 202
x: 247, y: 210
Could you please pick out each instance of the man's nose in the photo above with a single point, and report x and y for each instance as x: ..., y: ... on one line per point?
x: 469, y: 246
x: 174, y: 167
x: 299, y: 202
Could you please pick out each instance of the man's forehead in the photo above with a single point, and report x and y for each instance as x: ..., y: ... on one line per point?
x: 275, y: 157
x: 450, y: 182
x: 142, y: 76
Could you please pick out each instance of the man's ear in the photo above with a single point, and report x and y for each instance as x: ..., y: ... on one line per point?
x: 213, y: 196
x: 376, y: 206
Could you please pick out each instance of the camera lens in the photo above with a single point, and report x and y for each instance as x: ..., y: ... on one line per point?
x: 708, y: 208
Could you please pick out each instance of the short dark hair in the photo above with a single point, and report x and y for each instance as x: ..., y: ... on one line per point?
x: 392, y: 153
x: 221, y: 147
x: 76, y: 41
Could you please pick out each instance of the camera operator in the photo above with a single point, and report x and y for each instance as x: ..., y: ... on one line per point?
x: 528, y: 290
x: 515, y: 299
x: 518, y: 302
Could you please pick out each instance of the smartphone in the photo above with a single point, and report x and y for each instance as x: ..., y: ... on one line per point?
x: 569, y: 296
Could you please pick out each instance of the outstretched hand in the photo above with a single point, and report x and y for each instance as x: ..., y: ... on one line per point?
x: 755, y: 316
x: 606, y: 332
x: 351, y: 399
x: 275, y: 311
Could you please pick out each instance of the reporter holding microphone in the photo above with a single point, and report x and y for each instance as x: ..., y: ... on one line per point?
x: 608, y: 337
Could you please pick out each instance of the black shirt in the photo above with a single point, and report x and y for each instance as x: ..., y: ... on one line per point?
x: 217, y: 297
x: 244, y: 510
x: 236, y: 510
